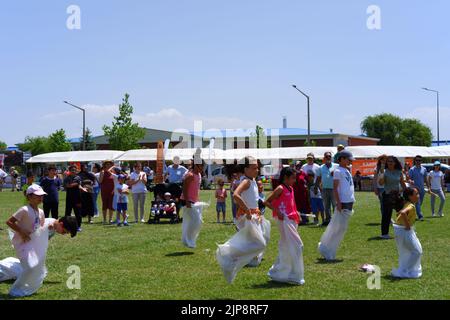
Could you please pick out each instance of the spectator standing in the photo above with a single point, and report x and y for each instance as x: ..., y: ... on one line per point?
x: 51, y: 185
x: 138, y: 184
x: 96, y: 169
x: 392, y: 179
x: 325, y: 180
x: 87, y: 192
x: 418, y: 178
x: 379, y: 189
x: 106, y: 181
x: 72, y: 185
x: 436, y: 181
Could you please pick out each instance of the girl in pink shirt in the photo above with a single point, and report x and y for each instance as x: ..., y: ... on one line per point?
x: 289, y: 264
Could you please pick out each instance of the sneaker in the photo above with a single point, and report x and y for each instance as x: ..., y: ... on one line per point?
x: 441, y: 214
x: 125, y: 224
x: 142, y: 221
x: 386, y: 237
x: 421, y: 219
x: 432, y: 215
x: 79, y: 230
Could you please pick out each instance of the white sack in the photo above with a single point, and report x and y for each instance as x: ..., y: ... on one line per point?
x: 246, y: 244
x: 265, y: 228
x: 32, y: 255
x: 192, y: 223
x: 10, y: 269
x: 289, y: 264
x: 410, y: 253
x: 333, y: 235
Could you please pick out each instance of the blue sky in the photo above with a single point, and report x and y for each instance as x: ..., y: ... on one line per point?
x: 228, y: 63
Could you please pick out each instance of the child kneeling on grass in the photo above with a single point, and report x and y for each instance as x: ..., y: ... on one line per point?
x: 30, y: 240
x: 408, y: 245
x: 289, y: 264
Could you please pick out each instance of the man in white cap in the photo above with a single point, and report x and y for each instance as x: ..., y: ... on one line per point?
x: 310, y: 165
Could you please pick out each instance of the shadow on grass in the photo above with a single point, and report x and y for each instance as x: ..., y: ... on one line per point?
x: 378, y: 238
x: 180, y: 254
x: 5, y: 296
x: 273, y: 285
x: 391, y: 278
x: 373, y: 224
x: 325, y: 261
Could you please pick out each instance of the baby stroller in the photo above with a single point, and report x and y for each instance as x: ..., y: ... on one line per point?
x: 165, y: 207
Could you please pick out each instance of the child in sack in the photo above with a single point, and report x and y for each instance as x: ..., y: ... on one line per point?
x: 289, y: 264
x: 408, y: 245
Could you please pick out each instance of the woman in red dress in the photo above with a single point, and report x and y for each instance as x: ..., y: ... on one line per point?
x: 301, y: 192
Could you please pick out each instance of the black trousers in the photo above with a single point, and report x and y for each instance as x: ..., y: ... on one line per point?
x: 52, y: 208
x: 390, y: 203
x: 76, y: 207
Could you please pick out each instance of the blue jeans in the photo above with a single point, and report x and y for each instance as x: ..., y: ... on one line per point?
x: 96, y: 193
x: 419, y: 204
x: 221, y: 207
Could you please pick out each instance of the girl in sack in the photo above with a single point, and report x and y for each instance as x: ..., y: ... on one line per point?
x: 408, y: 245
x: 249, y: 243
x: 289, y: 264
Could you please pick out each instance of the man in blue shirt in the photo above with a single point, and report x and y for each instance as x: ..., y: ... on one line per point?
x: 418, y: 178
x: 175, y: 172
x: 325, y: 176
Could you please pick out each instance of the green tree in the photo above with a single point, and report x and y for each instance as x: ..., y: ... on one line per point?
x: 35, y: 145
x: 124, y: 134
x: 393, y: 130
x: 90, y: 143
x: 58, y: 142
x: 3, y: 145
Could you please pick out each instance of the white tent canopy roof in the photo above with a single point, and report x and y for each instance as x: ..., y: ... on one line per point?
x: 359, y: 152
x: 75, y: 156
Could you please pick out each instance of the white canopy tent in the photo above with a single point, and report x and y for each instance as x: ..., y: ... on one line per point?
x: 359, y: 152
x: 76, y: 156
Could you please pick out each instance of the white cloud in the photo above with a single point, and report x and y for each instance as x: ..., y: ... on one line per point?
x: 165, y: 119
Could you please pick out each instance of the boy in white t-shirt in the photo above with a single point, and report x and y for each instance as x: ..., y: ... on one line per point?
x: 344, y: 193
x: 122, y: 191
x: 436, y: 180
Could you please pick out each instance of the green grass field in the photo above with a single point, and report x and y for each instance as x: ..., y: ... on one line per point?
x: 149, y: 262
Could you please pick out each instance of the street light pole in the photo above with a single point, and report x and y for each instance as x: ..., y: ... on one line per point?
x: 84, y: 123
x: 437, y: 105
x: 309, y: 115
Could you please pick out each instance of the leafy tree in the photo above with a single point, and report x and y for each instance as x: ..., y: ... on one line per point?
x: 3, y: 145
x: 90, y: 143
x: 393, y: 130
x: 124, y: 134
x: 35, y: 145
x: 58, y: 142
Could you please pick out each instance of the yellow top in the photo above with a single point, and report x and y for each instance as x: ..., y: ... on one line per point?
x: 411, y: 214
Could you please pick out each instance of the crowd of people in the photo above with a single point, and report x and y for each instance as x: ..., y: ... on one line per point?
x: 323, y: 192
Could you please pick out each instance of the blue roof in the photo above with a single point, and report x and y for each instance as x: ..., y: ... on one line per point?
x: 441, y: 143
x: 239, y: 133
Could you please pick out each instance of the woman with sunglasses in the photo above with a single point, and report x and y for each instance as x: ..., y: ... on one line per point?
x: 391, y: 178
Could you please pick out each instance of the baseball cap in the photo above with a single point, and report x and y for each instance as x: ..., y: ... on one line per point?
x: 167, y: 194
x: 36, y: 190
x: 340, y: 146
x: 345, y: 154
x: 437, y: 163
x: 310, y: 156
